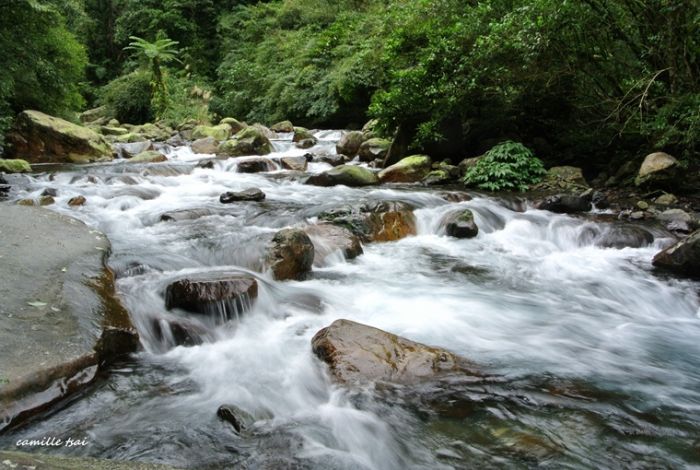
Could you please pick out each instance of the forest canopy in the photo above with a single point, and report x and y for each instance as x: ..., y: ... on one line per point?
x: 584, y: 82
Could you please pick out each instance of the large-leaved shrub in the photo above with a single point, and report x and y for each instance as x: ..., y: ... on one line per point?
x: 509, y: 166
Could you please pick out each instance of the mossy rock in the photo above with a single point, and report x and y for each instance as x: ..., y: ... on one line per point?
x: 373, y: 149
x: 249, y: 141
x: 347, y: 175
x: 302, y: 133
x: 407, y: 170
x: 15, y: 166
x: 149, y: 156
x: 284, y: 126
x: 153, y: 132
x: 40, y: 138
x: 220, y: 132
x: 108, y: 130
x: 236, y: 125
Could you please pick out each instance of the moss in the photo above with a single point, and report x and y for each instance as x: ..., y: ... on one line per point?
x: 220, y: 132
x: 15, y: 166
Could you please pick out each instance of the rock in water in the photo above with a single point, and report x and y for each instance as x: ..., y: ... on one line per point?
x: 294, y: 163
x: 220, y: 132
x: 284, y: 126
x: 250, y: 194
x: 40, y: 138
x: 349, y: 143
x: 564, y: 204
x: 659, y: 170
x: 347, y: 175
x: 329, y: 238
x: 682, y: 258
x: 249, y: 141
x: 625, y: 236
x: 256, y: 165
x: 224, y: 298
x: 77, y: 201
x: 360, y: 353
x: 381, y: 221
x: 407, y: 170
x: 290, y: 255
x: 207, y: 145
x: 149, y: 156
x: 461, y: 225
x: 14, y: 166
x: 233, y: 415
x: 373, y: 149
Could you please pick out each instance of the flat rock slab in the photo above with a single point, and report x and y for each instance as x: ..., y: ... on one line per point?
x: 22, y: 460
x: 58, y: 317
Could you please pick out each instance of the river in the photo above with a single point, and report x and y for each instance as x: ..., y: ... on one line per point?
x: 593, y: 358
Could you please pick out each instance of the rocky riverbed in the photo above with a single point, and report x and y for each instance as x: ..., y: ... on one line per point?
x: 300, y: 310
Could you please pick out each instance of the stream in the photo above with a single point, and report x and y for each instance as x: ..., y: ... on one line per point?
x: 593, y: 358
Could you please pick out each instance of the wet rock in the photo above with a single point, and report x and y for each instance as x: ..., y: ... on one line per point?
x: 14, y: 166
x: 130, y: 150
x: 249, y: 141
x: 207, y: 145
x: 77, y: 201
x: 284, y: 126
x: 625, y: 236
x: 185, y: 214
x: 294, y: 163
x: 255, y: 165
x: 659, y: 170
x: 564, y: 204
x: 250, y: 194
x: 347, y: 175
x: 681, y: 258
x: 329, y: 238
x: 290, y: 255
x: 373, y: 149
x: 408, y: 170
x: 461, y: 224
x: 206, y: 164
x: 219, y: 132
x: 642, y: 205
x: 359, y: 353
x: 236, y: 417
x: 53, y: 192
x: 676, y: 220
x: 40, y: 138
x: 331, y: 159
x: 455, y: 196
x: 178, y: 332
x: 224, y: 298
x: 46, y: 200
x: 306, y: 143
x: 381, y: 221
x: 349, y: 143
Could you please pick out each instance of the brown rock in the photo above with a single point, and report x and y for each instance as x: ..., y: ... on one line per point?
x: 290, y: 254
x: 255, y: 165
x: 207, y: 145
x: 329, y: 238
x: 294, y: 163
x: 349, y: 144
x: 77, y: 201
x: 224, y: 297
x: 360, y: 353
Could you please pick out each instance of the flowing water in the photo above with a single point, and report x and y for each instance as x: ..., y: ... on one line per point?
x: 592, y: 358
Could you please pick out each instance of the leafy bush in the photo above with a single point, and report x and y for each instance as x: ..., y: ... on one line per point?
x: 129, y: 98
x: 187, y: 99
x: 507, y: 166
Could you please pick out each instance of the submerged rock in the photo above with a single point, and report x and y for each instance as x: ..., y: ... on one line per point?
x: 224, y: 297
x: 564, y: 204
x: 461, y: 224
x: 625, y: 236
x: 408, y: 170
x: 185, y: 214
x: 250, y: 194
x: 329, y: 238
x: 349, y: 143
x: 290, y: 254
x: 178, y: 332
x: 347, y: 175
x: 682, y: 258
x: 359, y: 353
x: 40, y: 138
x: 236, y: 417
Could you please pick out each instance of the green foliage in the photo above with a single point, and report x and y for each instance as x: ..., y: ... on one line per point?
x: 42, y: 64
x: 129, y: 97
x: 509, y: 166
x: 188, y: 100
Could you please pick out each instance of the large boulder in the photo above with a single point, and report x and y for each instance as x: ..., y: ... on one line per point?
x: 14, y: 166
x: 373, y: 149
x: 294, y: 163
x: 290, y: 255
x: 206, y: 145
x: 158, y: 132
x: 222, y: 298
x: 302, y: 133
x: 40, y: 138
x: 407, y: 170
x: 683, y: 257
x: 381, y: 221
x: 659, y: 170
x: 564, y: 204
x: 348, y: 175
x: 220, y: 132
x: 283, y: 126
x: 349, y: 143
x: 625, y: 236
x: 328, y: 239
x: 461, y: 224
x: 357, y: 353
x: 235, y: 125
x: 249, y: 141
x: 676, y: 220
x: 131, y: 149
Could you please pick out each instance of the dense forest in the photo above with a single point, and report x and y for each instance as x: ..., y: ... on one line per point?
x: 587, y: 82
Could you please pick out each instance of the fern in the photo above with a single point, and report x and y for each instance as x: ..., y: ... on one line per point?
x: 509, y: 166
